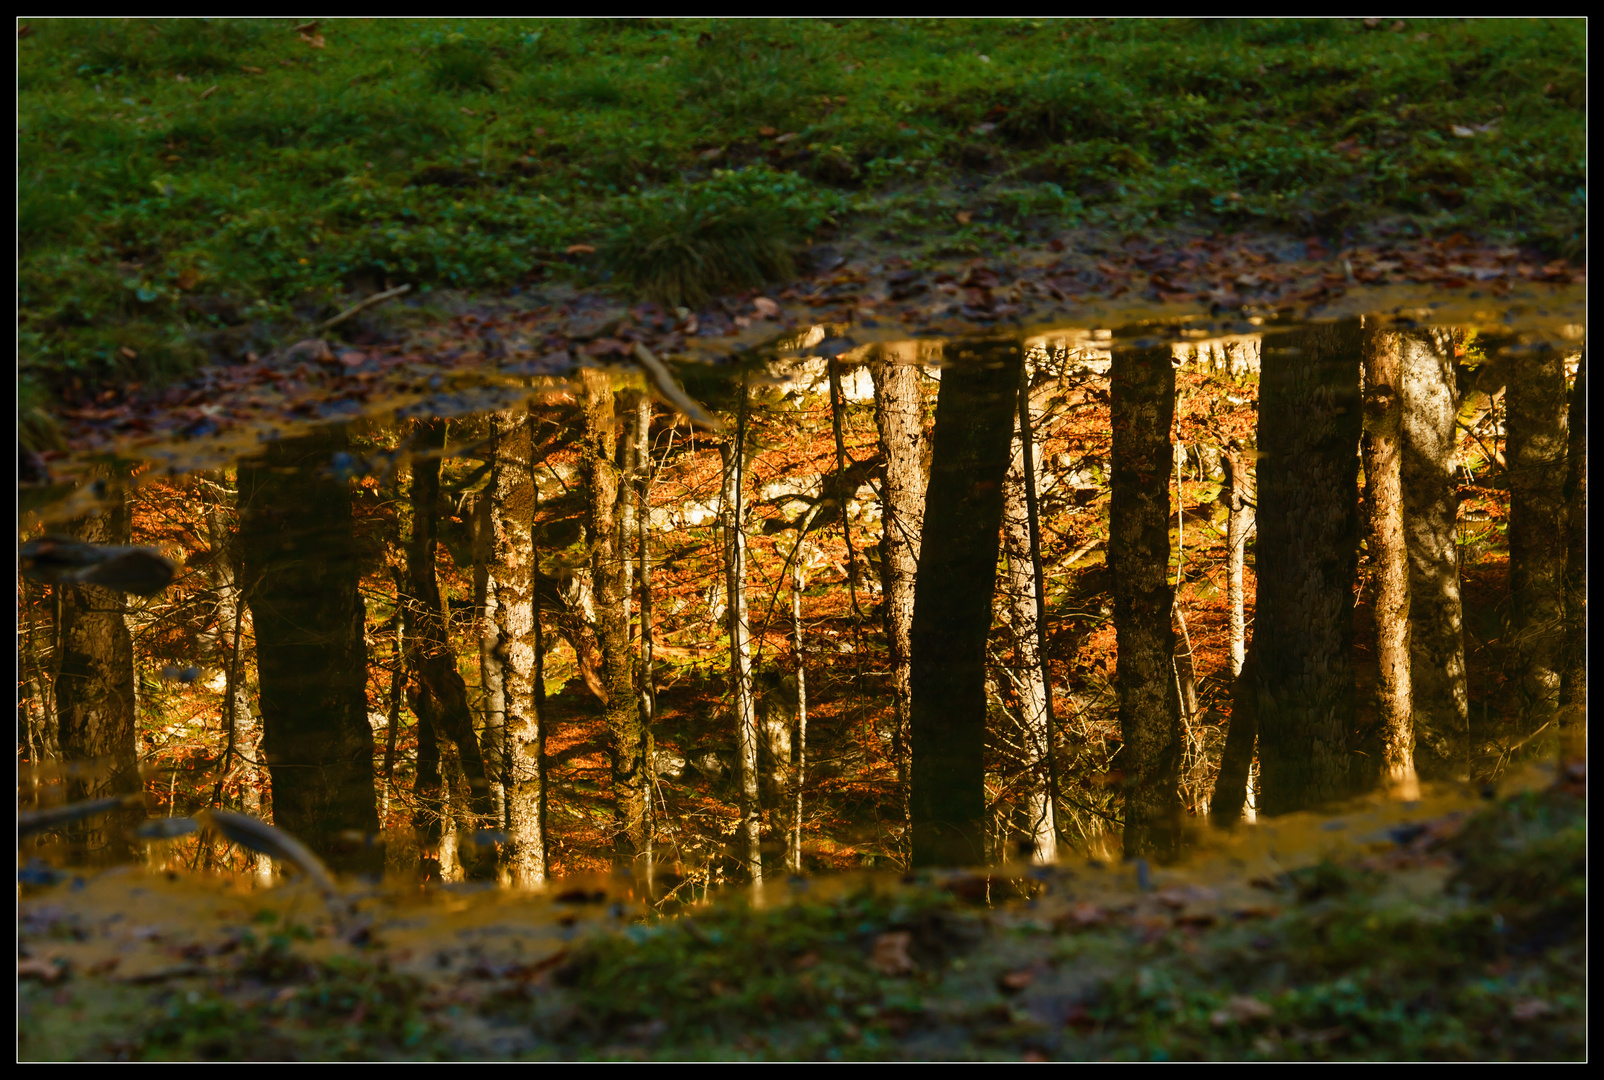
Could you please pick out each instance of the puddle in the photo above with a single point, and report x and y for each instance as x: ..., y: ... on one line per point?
x: 364, y: 590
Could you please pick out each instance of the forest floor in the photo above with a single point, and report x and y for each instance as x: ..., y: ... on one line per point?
x: 195, y: 194
x: 1450, y: 928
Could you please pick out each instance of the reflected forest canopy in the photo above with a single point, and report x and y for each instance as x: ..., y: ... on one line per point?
x: 931, y: 602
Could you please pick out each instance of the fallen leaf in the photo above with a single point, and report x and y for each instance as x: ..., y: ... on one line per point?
x: 127, y: 353
x: 45, y: 970
x: 1372, y: 23
x: 1524, y: 1011
x: 890, y: 956
x: 304, y: 28
x: 247, y: 69
x: 23, y: 31
x: 713, y: 154
x: 765, y: 307
x: 353, y: 359
x: 465, y: 111
x: 1086, y: 914
x: 314, y: 40
x: 1399, y: 27
x: 208, y: 92
x: 579, y: 249
x: 768, y: 132
x: 188, y: 278
x: 1011, y: 982
x: 787, y: 137
x: 1240, y: 1010
x: 964, y: 217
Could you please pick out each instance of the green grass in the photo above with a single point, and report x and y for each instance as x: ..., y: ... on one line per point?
x: 155, y: 213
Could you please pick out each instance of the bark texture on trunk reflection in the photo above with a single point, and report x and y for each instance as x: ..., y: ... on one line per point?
x: 952, y: 602
x: 300, y: 565
x: 900, y: 416
x: 1308, y: 522
x: 1142, y: 389
x: 1537, y: 536
x: 1441, y: 701
x: 627, y: 744
x: 95, y: 703
x: 512, y: 647
x: 1392, y: 741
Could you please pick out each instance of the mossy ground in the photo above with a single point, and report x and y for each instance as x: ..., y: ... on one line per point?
x: 1450, y: 936
x: 192, y: 190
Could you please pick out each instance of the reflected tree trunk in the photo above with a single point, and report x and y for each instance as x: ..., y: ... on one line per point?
x: 95, y: 703
x: 1026, y: 624
x: 1308, y: 523
x: 608, y: 558
x: 800, y: 743
x: 1536, y: 402
x: 1392, y: 743
x: 900, y: 416
x: 1238, y: 496
x: 494, y: 740
x: 733, y: 454
x: 513, y: 648
x: 1142, y: 386
x: 1236, y: 759
x: 299, y: 562
x: 952, y: 603
x: 230, y: 625
x: 1573, y: 685
x: 441, y: 700
x: 1440, y: 697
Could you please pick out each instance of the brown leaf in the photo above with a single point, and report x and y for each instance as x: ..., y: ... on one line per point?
x: 579, y: 249
x: 1086, y: 914
x: 208, y: 92
x: 1372, y: 23
x: 1240, y: 1010
x: 1524, y: 1011
x: 890, y: 956
x: 964, y: 217
x: 45, y: 970
x: 188, y: 278
x: 768, y: 132
x: 353, y: 359
x: 23, y: 31
x: 304, y: 28
x: 314, y: 40
x: 1011, y: 982
x: 765, y: 307
x: 127, y: 353
x: 787, y: 137
x: 247, y: 69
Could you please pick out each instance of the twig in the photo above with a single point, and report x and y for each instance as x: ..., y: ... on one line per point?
x: 664, y: 382
x: 362, y: 305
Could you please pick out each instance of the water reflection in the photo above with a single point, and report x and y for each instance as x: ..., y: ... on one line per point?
x: 900, y: 604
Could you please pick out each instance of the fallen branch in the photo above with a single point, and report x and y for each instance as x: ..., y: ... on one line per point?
x: 362, y: 305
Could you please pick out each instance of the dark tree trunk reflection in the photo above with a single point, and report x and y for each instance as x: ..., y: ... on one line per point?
x: 1308, y: 520
x: 300, y: 568
x: 953, y: 602
x: 95, y: 694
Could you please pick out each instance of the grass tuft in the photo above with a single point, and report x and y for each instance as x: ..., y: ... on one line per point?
x: 734, y: 232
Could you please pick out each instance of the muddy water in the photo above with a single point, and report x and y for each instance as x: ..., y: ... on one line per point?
x: 491, y: 633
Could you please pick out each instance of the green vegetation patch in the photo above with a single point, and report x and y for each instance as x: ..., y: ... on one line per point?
x: 192, y: 189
